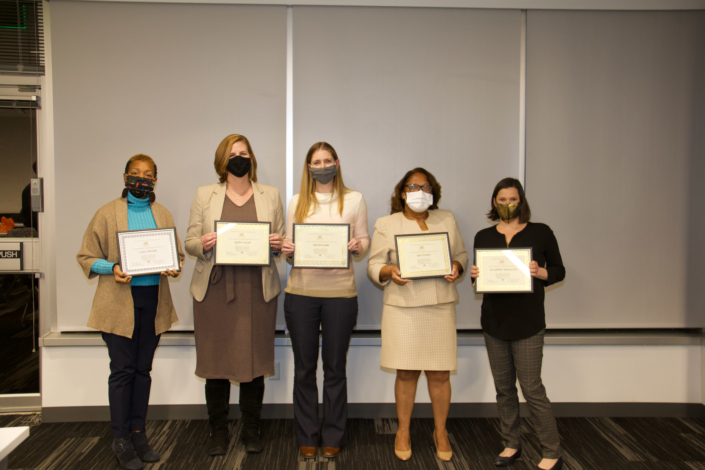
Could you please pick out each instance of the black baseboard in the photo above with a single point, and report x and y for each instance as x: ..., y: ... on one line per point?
x: 388, y: 410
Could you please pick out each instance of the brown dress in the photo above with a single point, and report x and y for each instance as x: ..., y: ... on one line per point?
x: 233, y: 325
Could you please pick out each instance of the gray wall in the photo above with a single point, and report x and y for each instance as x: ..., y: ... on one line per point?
x: 614, y: 162
x: 169, y: 81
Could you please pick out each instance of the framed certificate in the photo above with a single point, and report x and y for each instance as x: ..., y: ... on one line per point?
x: 321, y: 246
x: 503, y: 271
x: 424, y: 255
x: 145, y: 252
x: 242, y: 243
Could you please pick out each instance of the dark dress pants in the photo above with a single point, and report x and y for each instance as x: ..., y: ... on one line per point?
x: 522, y: 359
x: 335, y: 318
x: 130, y: 365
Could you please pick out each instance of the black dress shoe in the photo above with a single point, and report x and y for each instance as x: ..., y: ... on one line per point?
x: 507, y: 461
x: 126, y: 455
x: 144, y: 450
x: 556, y: 466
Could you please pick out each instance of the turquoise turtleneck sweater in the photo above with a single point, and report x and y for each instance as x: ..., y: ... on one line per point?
x: 139, y: 217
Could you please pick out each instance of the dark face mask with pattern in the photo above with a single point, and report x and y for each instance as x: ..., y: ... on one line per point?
x: 138, y: 186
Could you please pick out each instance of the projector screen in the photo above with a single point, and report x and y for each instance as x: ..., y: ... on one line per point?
x: 170, y: 81
x: 392, y: 89
x: 614, y: 114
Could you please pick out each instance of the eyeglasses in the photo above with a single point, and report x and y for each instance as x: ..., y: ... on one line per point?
x: 427, y: 188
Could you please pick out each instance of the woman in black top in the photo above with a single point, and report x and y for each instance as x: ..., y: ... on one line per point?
x: 514, y: 324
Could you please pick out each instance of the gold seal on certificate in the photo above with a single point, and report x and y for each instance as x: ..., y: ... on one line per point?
x: 145, y: 252
x: 321, y: 246
x: 242, y: 243
x: 424, y: 255
x: 503, y: 271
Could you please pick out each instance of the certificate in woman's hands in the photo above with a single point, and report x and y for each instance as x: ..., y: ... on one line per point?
x: 321, y: 246
x: 424, y: 255
x: 503, y: 271
x: 146, y: 252
x: 242, y: 243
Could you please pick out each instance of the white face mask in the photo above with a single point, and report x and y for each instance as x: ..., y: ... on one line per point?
x: 419, y: 201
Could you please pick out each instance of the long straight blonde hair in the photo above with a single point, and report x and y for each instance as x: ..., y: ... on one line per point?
x: 308, y: 203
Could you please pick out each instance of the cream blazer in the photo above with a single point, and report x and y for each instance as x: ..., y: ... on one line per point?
x: 206, y: 208
x: 113, y: 310
x: 383, y: 252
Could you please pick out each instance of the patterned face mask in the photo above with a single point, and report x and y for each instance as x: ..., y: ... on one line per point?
x: 138, y: 186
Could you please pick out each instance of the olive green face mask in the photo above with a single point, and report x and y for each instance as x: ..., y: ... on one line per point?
x: 508, y: 211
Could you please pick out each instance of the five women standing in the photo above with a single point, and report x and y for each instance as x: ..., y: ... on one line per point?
x: 234, y: 307
x: 323, y: 301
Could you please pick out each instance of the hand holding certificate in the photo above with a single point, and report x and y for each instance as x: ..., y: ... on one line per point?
x: 424, y: 255
x: 242, y: 243
x: 321, y: 246
x: 146, y: 252
x: 503, y: 271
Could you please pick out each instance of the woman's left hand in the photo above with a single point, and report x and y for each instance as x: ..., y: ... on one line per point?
x: 174, y: 272
x: 536, y: 271
x: 354, y: 246
x: 276, y: 241
x: 455, y: 273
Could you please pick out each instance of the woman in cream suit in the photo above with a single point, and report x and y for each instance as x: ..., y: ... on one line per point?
x: 234, y: 307
x: 418, y: 318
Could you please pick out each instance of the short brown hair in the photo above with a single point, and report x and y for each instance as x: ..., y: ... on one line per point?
x: 140, y: 157
x: 222, y: 156
x: 524, y: 211
x: 398, y: 202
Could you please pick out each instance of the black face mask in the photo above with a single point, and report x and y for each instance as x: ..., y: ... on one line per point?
x: 239, y: 166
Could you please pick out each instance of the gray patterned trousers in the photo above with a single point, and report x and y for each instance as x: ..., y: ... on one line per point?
x: 522, y: 359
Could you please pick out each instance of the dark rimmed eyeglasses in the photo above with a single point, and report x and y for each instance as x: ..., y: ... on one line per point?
x: 427, y: 188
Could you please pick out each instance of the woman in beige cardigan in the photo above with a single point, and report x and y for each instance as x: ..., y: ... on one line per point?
x: 131, y: 313
x: 234, y: 307
x: 418, y: 317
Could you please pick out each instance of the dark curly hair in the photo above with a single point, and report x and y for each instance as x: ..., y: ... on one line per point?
x: 398, y: 203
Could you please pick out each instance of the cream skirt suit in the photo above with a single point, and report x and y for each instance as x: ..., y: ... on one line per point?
x: 418, y: 319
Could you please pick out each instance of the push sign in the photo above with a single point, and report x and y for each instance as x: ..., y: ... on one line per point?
x: 10, y: 256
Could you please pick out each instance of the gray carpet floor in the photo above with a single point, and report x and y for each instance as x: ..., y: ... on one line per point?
x: 589, y: 443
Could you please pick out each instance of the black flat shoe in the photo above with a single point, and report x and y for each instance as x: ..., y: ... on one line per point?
x: 556, y: 466
x: 507, y: 461
x: 126, y: 455
x: 144, y: 450
x: 250, y: 438
x: 218, y: 442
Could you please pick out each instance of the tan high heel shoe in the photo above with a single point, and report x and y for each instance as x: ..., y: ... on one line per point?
x: 445, y: 456
x: 402, y: 454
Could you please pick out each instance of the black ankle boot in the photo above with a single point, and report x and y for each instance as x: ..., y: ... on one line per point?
x: 126, y: 455
x: 251, y: 396
x: 218, y: 404
x: 144, y: 450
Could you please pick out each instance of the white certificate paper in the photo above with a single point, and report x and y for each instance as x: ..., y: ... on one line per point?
x: 242, y: 243
x: 145, y: 252
x: 321, y: 246
x: 503, y: 271
x: 424, y: 255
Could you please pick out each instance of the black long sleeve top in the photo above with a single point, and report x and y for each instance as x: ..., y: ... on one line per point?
x: 513, y: 317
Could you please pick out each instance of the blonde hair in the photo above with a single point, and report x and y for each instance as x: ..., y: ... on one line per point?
x: 140, y: 157
x: 222, y: 156
x: 307, y: 203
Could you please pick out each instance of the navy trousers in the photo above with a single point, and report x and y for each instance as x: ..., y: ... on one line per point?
x: 335, y: 318
x: 131, y: 364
